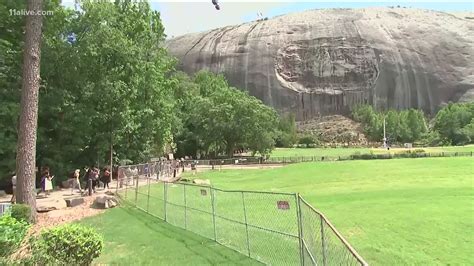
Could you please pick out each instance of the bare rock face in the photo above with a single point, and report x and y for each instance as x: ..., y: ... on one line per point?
x: 322, y: 62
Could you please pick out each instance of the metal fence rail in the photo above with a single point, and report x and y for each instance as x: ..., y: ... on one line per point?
x: 300, y: 159
x: 273, y: 228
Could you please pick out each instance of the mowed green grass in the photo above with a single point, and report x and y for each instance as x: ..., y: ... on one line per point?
x: 230, y: 229
x: 288, y: 152
x: 135, y: 238
x: 394, y: 212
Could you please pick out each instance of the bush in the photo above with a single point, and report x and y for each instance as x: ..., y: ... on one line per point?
x: 21, y: 212
x: 307, y: 140
x: 12, y: 232
x: 68, y: 244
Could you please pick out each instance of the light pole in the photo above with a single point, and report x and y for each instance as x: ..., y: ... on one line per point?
x: 384, y: 135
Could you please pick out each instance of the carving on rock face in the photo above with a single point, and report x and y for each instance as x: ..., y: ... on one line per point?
x: 327, y: 65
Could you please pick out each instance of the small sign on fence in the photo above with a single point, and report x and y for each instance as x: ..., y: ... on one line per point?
x: 283, y: 205
x: 203, y: 192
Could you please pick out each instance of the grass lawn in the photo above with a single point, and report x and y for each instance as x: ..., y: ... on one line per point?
x: 135, y: 238
x: 288, y: 152
x: 394, y: 212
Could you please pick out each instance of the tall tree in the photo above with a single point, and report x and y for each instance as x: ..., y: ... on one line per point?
x: 26, y: 153
x: 11, y: 45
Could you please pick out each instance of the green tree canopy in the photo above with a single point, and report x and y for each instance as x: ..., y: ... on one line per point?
x: 218, y: 119
x: 454, y: 123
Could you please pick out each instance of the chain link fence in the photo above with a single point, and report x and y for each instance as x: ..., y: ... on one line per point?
x: 164, y: 170
x: 4, y: 207
x: 273, y: 228
x: 216, y: 163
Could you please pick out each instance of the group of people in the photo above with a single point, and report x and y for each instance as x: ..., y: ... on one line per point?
x: 92, y: 178
x: 46, y: 184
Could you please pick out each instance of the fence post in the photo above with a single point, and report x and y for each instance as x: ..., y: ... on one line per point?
x: 213, y: 212
x: 323, y: 241
x: 126, y: 188
x: 165, y: 197
x: 118, y: 177
x: 300, y: 227
x: 136, y: 191
x: 246, y: 225
x: 185, y: 209
x: 148, y: 197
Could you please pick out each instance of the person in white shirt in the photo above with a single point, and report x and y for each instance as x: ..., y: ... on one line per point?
x: 13, y: 200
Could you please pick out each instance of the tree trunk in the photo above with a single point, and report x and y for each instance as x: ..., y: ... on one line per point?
x: 26, y: 146
x: 230, y: 149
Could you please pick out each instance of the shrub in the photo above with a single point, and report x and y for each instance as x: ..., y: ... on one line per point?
x: 307, y: 140
x: 68, y: 244
x: 12, y: 232
x: 21, y: 212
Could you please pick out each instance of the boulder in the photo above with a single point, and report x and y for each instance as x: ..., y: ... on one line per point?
x: 106, y: 202
x: 74, y: 202
x: 2, y: 193
x: 204, y: 182
x: 66, y: 184
x: 48, y: 204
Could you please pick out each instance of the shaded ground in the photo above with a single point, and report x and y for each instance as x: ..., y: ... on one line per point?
x: 135, y: 238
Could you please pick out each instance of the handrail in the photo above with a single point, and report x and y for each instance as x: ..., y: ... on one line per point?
x: 343, y: 240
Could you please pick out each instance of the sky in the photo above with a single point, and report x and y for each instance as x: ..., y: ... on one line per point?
x: 187, y: 16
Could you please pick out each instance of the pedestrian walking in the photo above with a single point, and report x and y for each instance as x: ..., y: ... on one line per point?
x: 13, y: 199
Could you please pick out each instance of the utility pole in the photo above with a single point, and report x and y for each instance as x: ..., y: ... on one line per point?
x: 384, y: 135
x: 111, y: 157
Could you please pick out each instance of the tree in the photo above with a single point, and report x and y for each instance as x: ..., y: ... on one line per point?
x: 371, y: 121
x: 26, y: 154
x: 307, y: 140
x: 392, y: 125
x: 218, y: 119
x: 287, y: 133
x: 107, y: 81
x: 401, y: 126
x: 11, y: 45
x: 416, y: 123
x: 451, y: 120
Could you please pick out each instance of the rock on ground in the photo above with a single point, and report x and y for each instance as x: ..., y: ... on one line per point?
x: 65, y: 215
x: 106, y: 202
